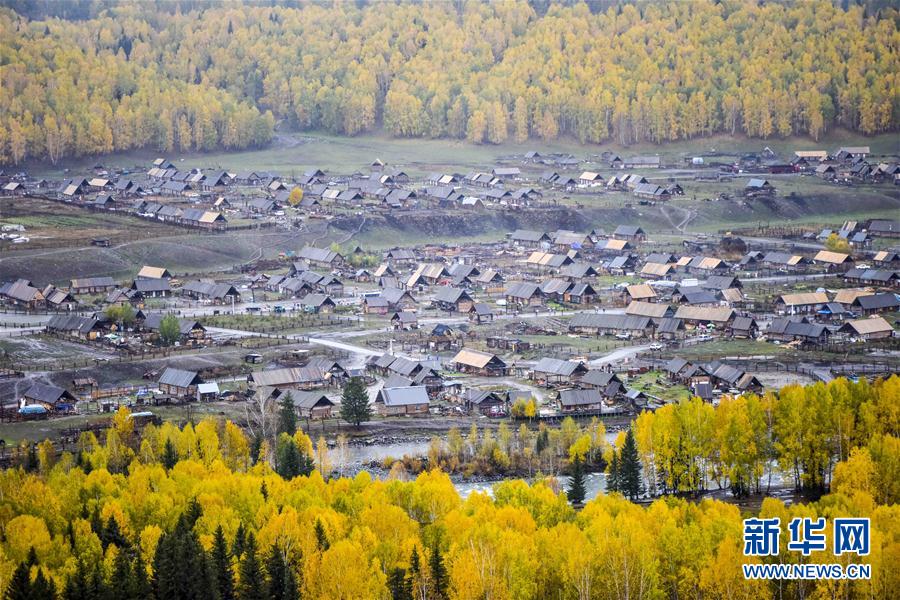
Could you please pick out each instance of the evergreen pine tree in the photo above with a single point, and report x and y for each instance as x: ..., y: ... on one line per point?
x: 282, y: 583
x: 77, y: 587
x: 543, y: 440
x: 240, y: 539
x: 70, y: 534
x: 122, y: 578
x: 264, y: 491
x: 576, y: 491
x: 438, y: 571
x: 43, y: 588
x: 165, y: 584
x: 255, y: 447
x: 31, y: 459
x: 32, y: 559
x: 97, y: 588
x: 290, y: 461
x: 96, y: 522
x: 170, y: 455
x: 612, y: 479
x: 631, y: 481
x: 287, y: 418
x: 251, y: 586
x: 355, y: 402
x: 140, y: 583
x: 221, y: 566
x: 321, y: 537
x: 112, y: 535
x: 19, y: 587
x: 399, y: 585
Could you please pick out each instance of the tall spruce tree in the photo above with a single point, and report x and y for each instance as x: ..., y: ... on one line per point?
x: 281, y: 579
x: 355, y: 402
x: 321, y: 537
x: 287, y: 418
x: 438, y: 571
x: 220, y: 559
x: 43, y: 588
x: 290, y: 461
x: 19, y: 587
x: 170, y: 455
x: 399, y: 585
x: 252, y: 584
x: 612, y: 478
x: 630, y: 478
x: 576, y: 491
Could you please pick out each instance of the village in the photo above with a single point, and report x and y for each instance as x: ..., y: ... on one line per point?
x: 528, y: 324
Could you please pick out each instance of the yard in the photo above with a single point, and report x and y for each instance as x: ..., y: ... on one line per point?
x: 655, y: 383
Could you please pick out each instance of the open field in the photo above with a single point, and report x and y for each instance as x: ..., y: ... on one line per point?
x: 56, y: 224
x: 293, y: 153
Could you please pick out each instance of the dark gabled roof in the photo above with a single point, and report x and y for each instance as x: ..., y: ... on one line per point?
x: 721, y: 282
x: 451, y: 295
x: 525, y: 235
x: 482, y: 309
x: 404, y: 396
x: 580, y: 397
x: 522, y: 289
x: 743, y: 323
x: 72, y: 323
x: 598, y: 378
x: 555, y: 366
x: 210, y: 290
x: 795, y: 328
x: 152, y: 322
x: 394, y: 295
x: 151, y: 285
x: 629, y: 230
x: 317, y: 300
x: 609, y: 321
x: 695, y: 295
x: 47, y: 394
x: 877, y: 301
x: 321, y: 255
x: 179, y: 378
x: 309, y: 400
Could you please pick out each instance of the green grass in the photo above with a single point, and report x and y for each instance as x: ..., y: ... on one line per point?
x: 656, y: 384
x: 731, y: 347
x: 293, y: 153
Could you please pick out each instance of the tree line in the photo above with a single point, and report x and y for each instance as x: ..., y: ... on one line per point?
x: 205, y: 76
x: 201, y: 511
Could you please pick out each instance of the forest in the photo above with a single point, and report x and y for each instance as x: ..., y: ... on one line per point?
x: 204, y: 511
x: 194, y: 76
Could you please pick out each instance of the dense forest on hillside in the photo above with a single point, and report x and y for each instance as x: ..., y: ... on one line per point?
x: 201, y: 76
x: 202, y: 511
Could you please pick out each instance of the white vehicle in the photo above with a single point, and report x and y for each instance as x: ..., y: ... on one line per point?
x: 623, y: 336
x: 703, y: 337
x: 656, y: 346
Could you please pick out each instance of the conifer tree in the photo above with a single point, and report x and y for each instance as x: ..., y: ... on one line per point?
x: 355, y: 402
x: 576, y: 491
x: 282, y: 583
x: 612, y: 478
x: 321, y: 536
x: 287, y: 418
x: 438, y: 571
x: 221, y: 566
x: 631, y: 480
x: 19, y: 587
x: 252, y: 585
x: 399, y: 585
x: 170, y: 455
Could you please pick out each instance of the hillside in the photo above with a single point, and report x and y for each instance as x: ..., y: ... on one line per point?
x: 190, y: 77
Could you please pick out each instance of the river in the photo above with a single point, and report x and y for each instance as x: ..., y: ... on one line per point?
x: 360, y: 455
